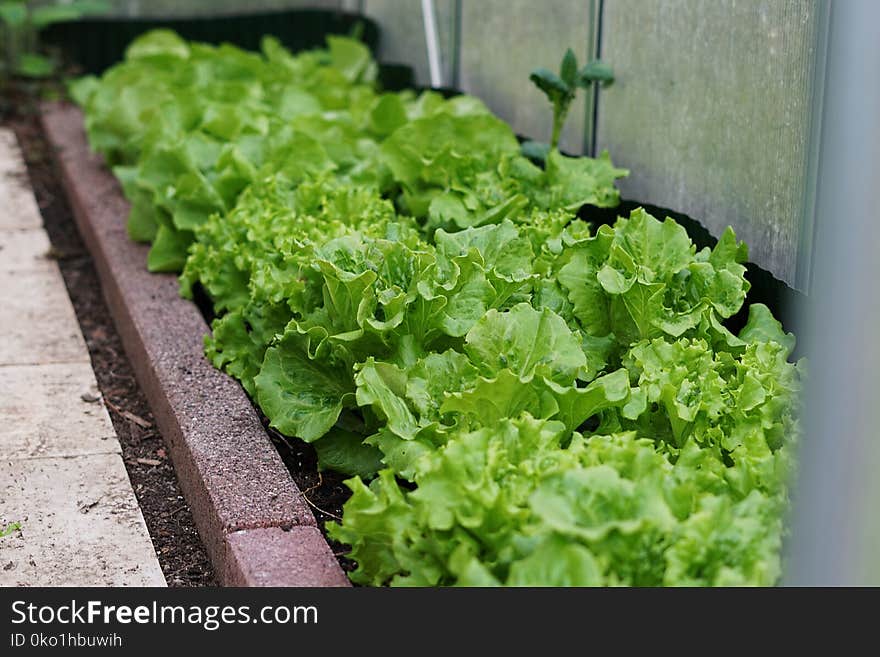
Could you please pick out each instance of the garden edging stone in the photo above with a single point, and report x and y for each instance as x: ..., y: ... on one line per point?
x: 253, y: 519
x: 274, y: 557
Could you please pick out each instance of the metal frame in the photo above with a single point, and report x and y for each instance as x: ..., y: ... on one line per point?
x: 803, y: 271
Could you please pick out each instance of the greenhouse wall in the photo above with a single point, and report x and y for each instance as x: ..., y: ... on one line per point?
x: 713, y: 111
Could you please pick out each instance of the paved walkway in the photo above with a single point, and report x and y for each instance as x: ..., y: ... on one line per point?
x: 62, y: 478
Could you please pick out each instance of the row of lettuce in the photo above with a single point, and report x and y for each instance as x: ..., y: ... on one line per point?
x: 522, y: 398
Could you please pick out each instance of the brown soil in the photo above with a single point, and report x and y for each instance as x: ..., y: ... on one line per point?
x: 181, y: 554
x: 324, y: 491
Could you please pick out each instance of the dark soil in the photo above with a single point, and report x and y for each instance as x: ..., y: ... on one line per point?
x: 181, y: 554
x: 324, y: 491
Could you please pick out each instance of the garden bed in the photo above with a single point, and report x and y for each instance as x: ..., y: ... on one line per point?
x: 532, y: 399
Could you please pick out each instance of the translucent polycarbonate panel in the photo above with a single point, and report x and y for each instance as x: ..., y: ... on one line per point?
x: 503, y: 40
x: 835, y: 539
x: 175, y: 8
x: 402, y: 38
x: 712, y: 111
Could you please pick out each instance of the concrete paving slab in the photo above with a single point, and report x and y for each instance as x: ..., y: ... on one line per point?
x: 61, y: 470
x: 19, y: 209
x: 22, y: 250
x: 53, y: 410
x: 80, y: 524
x: 38, y: 323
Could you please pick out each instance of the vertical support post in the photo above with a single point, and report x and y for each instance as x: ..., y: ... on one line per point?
x: 836, y: 525
x: 432, y: 42
x: 355, y: 6
x: 804, y: 264
x: 594, y: 51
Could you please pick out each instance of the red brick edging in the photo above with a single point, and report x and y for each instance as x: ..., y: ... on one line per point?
x: 252, y: 518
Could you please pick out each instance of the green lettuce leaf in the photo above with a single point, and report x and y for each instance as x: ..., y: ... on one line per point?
x: 301, y: 396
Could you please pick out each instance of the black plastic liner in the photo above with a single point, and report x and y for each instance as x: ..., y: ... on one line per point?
x: 98, y: 43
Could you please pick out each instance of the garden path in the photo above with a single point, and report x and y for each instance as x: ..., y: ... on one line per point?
x: 62, y: 478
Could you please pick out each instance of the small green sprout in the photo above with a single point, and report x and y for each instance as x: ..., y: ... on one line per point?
x: 561, y: 89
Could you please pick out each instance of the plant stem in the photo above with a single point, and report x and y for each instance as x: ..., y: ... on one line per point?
x: 559, y: 114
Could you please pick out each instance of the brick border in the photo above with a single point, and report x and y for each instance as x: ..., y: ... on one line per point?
x: 252, y: 518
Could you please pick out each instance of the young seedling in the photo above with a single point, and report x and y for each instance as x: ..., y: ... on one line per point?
x: 561, y: 90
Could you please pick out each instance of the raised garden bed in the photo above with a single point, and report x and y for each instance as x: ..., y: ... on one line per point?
x: 606, y: 280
